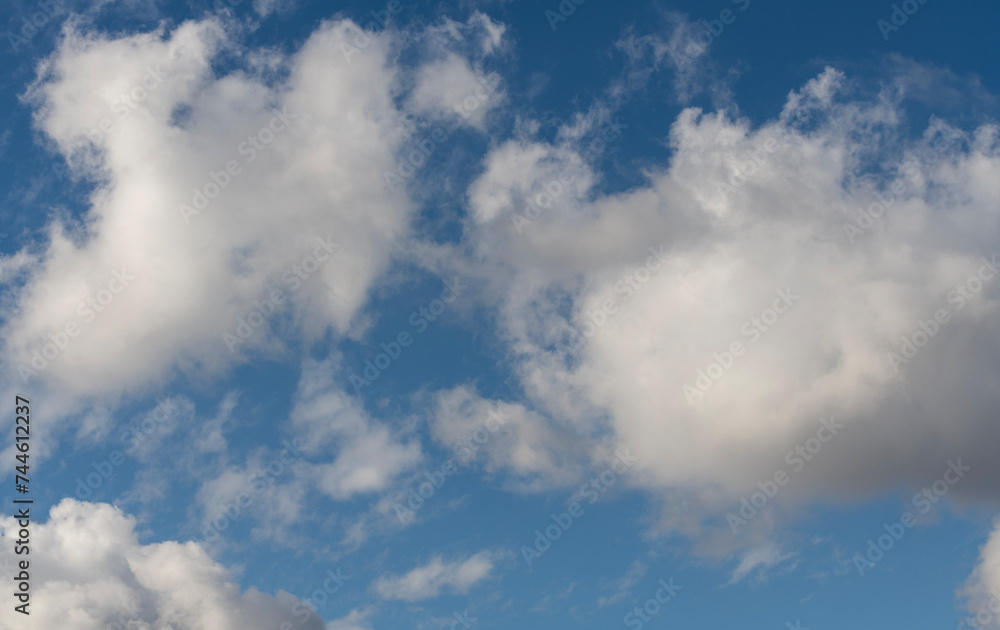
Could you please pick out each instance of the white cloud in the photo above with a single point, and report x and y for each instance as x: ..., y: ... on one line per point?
x: 437, y: 575
x: 451, y: 87
x: 191, y: 282
x: 265, y: 487
x: 355, y: 620
x: 506, y: 437
x: 148, y: 119
x: 624, y: 585
x: 267, y: 7
x: 982, y: 589
x: 679, y: 46
x: 725, y: 256
x: 320, y: 161
x: 452, y: 83
x: 327, y: 419
x: 89, y: 571
x: 491, y: 32
x: 760, y: 559
x: 518, y: 172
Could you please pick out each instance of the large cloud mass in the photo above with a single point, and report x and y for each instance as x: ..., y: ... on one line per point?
x: 623, y: 310
x: 215, y: 192
x: 89, y: 572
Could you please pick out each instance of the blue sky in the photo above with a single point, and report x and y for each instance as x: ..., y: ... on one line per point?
x: 502, y: 314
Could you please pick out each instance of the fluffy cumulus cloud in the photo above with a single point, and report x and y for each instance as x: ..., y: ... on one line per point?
x: 232, y: 212
x: 437, y: 575
x: 222, y: 190
x: 822, y: 266
x: 90, y: 572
